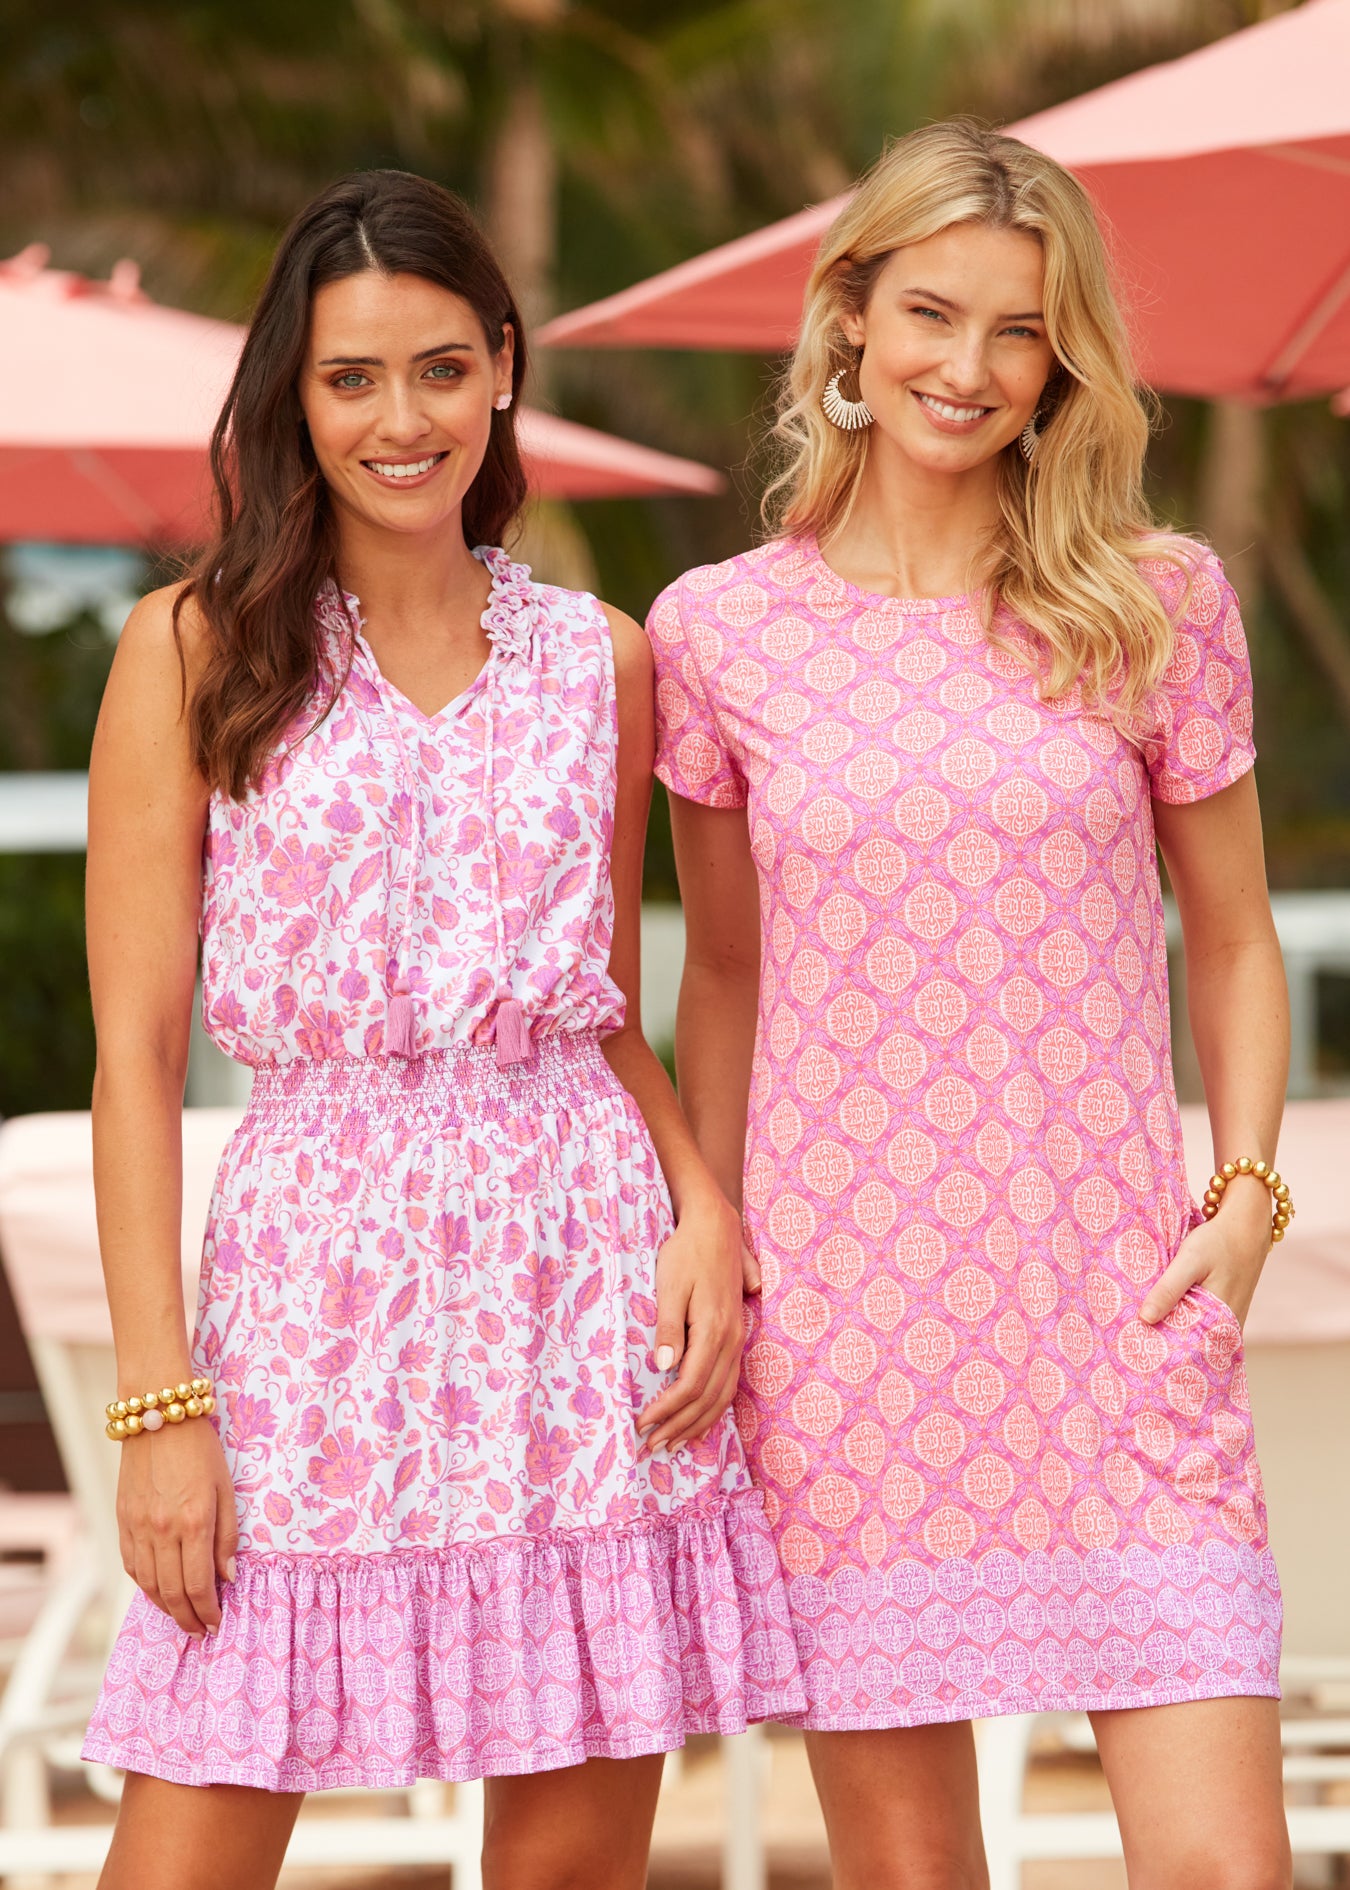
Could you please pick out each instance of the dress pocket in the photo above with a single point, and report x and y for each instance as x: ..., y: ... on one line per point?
x: 1219, y: 1308
x: 1192, y: 1423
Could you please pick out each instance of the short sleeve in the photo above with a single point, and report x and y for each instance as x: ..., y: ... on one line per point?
x: 693, y: 757
x: 1201, y: 738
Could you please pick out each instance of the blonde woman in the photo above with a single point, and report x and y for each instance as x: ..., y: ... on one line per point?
x: 921, y: 746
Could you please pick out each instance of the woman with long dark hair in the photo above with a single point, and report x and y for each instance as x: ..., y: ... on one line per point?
x: 443, y: 1485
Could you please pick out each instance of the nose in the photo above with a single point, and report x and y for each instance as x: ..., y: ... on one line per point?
x: 403, y: 418
x: 965, y: 368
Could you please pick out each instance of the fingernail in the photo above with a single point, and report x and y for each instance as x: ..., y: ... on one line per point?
x: 229, y: 1569
x: 665, y: 1357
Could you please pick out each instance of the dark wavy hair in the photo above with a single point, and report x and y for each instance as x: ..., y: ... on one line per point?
x: 274, y: 547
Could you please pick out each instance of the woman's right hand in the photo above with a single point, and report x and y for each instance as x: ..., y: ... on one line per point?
x: 177, y: 1521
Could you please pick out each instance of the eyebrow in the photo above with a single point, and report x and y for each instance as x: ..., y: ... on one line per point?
x: 931, y: 295
x: 373, y: 360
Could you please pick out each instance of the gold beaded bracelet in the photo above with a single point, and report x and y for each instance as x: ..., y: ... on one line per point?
x: 1264, y: 1173
x: 127, y: 1417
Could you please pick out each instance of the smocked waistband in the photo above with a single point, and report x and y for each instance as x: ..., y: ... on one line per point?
x: 440, y: 1089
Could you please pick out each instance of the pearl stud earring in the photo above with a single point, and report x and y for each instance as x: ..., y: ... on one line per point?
x: 502, y: 402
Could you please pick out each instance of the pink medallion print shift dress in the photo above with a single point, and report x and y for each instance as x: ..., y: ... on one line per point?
x: 994, y: 1489
x: 427, y: 1297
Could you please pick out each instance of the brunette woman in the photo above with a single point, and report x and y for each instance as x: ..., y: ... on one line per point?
x: 922, y: 745
x: 400, y: 1521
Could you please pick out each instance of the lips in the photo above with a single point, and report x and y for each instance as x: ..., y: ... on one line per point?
x: 403, y: 472
x: 950, y: 411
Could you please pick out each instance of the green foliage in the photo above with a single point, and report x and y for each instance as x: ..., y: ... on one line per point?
x: 46, y: 1026
x: 48, y: 703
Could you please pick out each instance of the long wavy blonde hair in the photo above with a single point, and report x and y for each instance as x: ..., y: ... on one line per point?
x: 1074, y: 524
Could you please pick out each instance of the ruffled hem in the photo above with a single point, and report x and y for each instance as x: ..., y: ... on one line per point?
x: 461, y: 1663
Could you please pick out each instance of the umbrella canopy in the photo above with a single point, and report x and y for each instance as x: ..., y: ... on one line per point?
x: 1225, y: 176
x: 106, y: 417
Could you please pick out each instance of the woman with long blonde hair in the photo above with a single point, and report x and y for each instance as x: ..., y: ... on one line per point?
x: 921, y: 745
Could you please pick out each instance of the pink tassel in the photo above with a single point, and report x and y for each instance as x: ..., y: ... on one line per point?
x: 400, y: 1025
x: 512, y: 1034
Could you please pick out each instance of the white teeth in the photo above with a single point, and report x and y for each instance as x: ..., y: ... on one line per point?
x: 948, y: 412
x: 403, y: 472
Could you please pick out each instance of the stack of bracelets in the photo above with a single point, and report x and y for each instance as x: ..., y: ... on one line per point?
x: 127, y: 1417
x: 1279, y: 1191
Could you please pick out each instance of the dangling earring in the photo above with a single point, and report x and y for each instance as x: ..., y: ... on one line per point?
x: 848, y: 415
x: 1046, y: 408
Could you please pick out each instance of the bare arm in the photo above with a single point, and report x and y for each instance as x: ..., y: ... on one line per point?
x: 147, y: 812
x: 1239, y: 1013
x: 699, y: 1269
x: 719, y: 993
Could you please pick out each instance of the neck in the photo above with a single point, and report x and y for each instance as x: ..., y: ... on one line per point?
x: 914, y: 532
x: 405, y: 581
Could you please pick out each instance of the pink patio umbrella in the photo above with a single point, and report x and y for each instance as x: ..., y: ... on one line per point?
x: 1225, y: 176
x: 110, y: 401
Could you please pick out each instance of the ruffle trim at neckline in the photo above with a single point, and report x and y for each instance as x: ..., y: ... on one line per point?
x: 509, y: 617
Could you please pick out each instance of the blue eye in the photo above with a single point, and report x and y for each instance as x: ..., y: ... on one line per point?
x: 445, y: 369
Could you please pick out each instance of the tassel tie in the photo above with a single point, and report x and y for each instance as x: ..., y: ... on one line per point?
x: 503, y: 621
x: 508, y: 628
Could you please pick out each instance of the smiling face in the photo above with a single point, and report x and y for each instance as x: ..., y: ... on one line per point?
x: 955, y: 350
x: 398, y: 389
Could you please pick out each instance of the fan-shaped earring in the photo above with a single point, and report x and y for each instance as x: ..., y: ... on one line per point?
x: 848, y: 415
x: 1029, y: 439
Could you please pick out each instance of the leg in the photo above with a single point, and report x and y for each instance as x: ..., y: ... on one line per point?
x: 1199, y: 1794
x: 902, y: 1808
x: 584, y: 1827
x: 212, y: 1837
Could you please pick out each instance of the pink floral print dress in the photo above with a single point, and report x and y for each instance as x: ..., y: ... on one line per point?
x: 427, y: 1296
x: 994, y: 1488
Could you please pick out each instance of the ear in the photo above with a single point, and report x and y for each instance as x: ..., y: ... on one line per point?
x: 854, y: 328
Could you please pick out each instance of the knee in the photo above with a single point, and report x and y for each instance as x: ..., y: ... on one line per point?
x: 930, y: 1869
x: 1254, y: 1869
x: 510, y: 1863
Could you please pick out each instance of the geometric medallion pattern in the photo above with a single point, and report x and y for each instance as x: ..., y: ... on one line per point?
x: 993, y: 1487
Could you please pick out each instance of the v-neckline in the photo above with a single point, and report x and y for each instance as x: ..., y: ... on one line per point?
x: 461, y: 699
x: 448, y: 709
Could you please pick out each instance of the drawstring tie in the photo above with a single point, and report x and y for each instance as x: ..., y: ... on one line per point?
x: 510, y: 1032
x: 508, y: 627
x: 400, y: 1017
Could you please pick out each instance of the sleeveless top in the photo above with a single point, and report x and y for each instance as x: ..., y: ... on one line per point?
x: 462, y: 856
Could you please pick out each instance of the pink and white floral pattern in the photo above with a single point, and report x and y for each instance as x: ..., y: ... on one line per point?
x: 428, y: 1290
x: 993, y: 1488
x: 303, y: 896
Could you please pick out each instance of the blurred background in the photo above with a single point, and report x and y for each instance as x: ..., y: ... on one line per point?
x: 600, y: 142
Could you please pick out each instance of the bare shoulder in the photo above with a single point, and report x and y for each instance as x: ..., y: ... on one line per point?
x: 632, y: 651
x: 142, y: 733
x: 164, y: 628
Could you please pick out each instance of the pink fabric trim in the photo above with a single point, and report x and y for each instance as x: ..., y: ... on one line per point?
x: 460, y: 1663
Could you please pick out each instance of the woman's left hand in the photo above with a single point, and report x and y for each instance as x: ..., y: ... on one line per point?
x: 1224, y: 1255
x: 701, y: 1272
